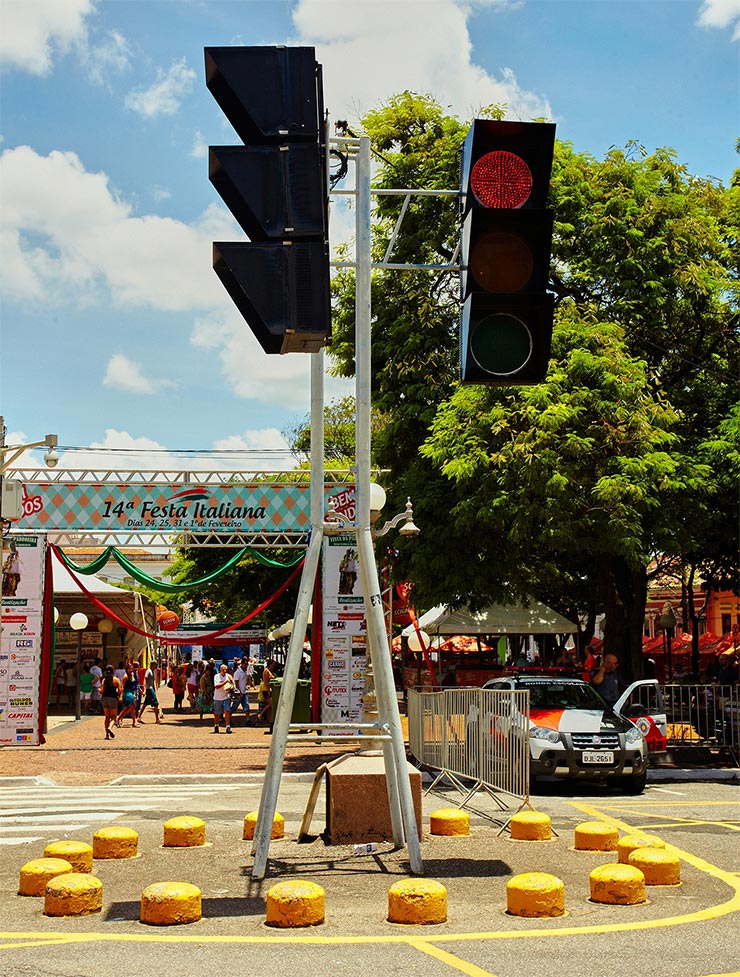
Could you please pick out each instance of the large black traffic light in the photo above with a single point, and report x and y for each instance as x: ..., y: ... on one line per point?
x: 506, y: 319
x: 276, y: 187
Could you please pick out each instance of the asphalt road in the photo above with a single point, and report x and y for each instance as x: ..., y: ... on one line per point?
x: 685, y: 931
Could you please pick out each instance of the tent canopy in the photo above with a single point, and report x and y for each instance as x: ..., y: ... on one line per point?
x: 537, y: 618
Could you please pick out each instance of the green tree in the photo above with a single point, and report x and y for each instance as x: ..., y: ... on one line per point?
x: 570, y: 489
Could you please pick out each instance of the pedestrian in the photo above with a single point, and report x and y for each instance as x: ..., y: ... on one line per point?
x: 608, y: 680
x: 239, y: 696
x: 97, y: 673
x: 178, y: 687
x: 223, y: 688
x: 150, y: 695
x: 86, y: 684
x: 205, y: 691
x: 248, y: 666
x: 191, y: 681
x: 264, y: 693
x: 128, y: 700
x: 60, y: 680
x: 111, y: 692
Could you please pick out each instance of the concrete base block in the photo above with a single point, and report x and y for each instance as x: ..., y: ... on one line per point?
x: 357, y: 808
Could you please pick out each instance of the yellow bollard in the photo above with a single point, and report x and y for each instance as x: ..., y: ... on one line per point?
x: 73, y: 895
x: 419, y: 901
x: 535, y: 894
x: 170, y: 904
x: 295, y: 904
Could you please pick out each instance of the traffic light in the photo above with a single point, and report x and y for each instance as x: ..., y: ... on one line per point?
x: 277, y: 189
x: 506, y: 319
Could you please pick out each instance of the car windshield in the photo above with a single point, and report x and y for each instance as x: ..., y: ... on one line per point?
x: 562, y: 695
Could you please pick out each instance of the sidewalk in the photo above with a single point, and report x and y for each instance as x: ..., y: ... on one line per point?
x: 77, y: 752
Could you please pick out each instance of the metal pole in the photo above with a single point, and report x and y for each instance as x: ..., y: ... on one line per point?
x: 78, y: 669
x: 400, y: 798
x: 271, y: 788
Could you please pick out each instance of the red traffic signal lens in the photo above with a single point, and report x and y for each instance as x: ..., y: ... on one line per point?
x: 501, y: 180
x: 501, y: 344
x: 501, y: 262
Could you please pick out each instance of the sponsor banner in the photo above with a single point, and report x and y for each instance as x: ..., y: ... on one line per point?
x: 343, y: 639
x: 20, y: 648
x: 157, y: 507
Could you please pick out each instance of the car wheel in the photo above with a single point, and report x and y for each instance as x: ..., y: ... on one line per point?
x: 634, y: 783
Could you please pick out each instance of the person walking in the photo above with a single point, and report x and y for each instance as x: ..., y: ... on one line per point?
x: 223, y: 688
x: 60, y: 680
x: 205, y: 691
x: 97, y: 681
x: 239, y: 695
x: 150, y: 696
x: 112, y: 691
x: 191, y: 681
x: 264, y: 693
x: 86, y: 686
x: 178, y: 686
x: 128, y: 701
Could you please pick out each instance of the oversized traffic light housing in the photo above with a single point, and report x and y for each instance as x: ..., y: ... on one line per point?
x: 506, y: 319
x: 277, y: 189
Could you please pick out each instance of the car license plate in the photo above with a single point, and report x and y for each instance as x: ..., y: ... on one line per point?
x: 603, y: 756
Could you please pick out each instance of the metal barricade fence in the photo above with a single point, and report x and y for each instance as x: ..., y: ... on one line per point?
x: 703, y: 715
x: 475, y: 738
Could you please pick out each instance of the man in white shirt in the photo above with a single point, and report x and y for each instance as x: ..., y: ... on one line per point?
x: 97, y: 681
x: 223, y: 689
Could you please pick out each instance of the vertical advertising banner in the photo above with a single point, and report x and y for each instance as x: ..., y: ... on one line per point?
x: 20, y: 648
x: 344, y: 633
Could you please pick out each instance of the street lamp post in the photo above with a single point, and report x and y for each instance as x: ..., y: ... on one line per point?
x: 78, y: 623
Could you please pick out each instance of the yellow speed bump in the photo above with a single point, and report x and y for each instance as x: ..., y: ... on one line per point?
x: 35, y: 874
x: 629, y: 843
x: 535, y: 894
x: 530, y: 826
x: 77, y: 853
x: 420, y: 901
x: 170, y: 903
x: 115, y: 841
x: 596, y: 836
x: 449, y: 821
x: 73, y: 895
x: 184, y: 832
x: 658, y: 866
x: 621, y: 885
x: 250, y: 826
x: 295, y: 903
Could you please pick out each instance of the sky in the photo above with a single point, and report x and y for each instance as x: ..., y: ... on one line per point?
x: 115, y: 333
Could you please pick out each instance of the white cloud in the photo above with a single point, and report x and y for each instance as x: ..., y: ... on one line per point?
x: 111, y: 55
x: 124, y: 374
x: 252, y: 374
x: 200, y: 146
x: 264, y: 448
x: 33, y: 30
x: 423, y: 47
x: 65, y: 234
x: 721, y: 13
x: 121, y: 450
x: 166, y: 94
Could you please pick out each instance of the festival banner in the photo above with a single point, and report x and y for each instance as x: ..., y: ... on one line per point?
x: 156, y: 507
x: 20, y: 647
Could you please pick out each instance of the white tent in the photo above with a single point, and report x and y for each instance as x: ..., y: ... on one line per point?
x: 536, y: 618
x: 129, y: 606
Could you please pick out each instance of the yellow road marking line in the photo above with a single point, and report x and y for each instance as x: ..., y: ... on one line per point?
x: 638, y: 805
x: 442, y: 955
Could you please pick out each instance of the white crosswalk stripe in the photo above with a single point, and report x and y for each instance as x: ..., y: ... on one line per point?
x: 44, y: 812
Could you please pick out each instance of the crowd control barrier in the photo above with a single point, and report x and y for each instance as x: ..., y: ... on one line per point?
x: 703, y: 716
x: 476, y: 739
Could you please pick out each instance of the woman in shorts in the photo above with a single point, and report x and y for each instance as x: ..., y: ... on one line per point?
x: 111, y: 690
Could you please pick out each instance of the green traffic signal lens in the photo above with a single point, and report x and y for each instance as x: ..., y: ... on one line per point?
x: 501, y: 344
x: 501, y: 262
